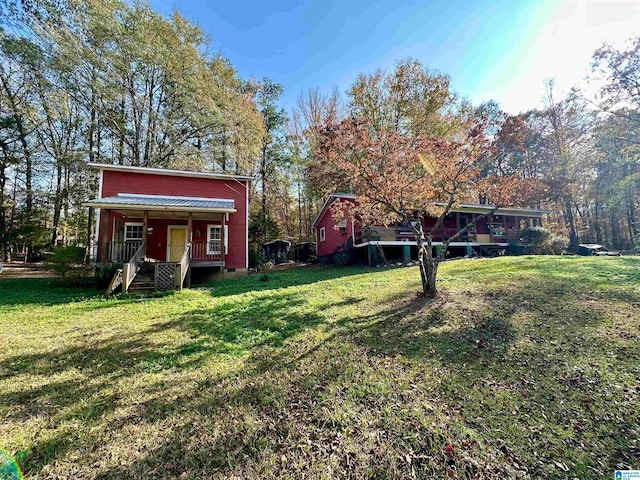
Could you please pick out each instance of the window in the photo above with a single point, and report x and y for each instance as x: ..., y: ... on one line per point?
x: 214, y: 236
x: 133, y: 232
x: 322, y: 234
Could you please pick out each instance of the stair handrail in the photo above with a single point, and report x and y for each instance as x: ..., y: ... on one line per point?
x: 184, y: 263
x: 131, y: 268
x: 116, y: 281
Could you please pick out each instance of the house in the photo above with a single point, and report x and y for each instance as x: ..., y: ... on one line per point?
x: 165, y: 226
x: 348, y: 241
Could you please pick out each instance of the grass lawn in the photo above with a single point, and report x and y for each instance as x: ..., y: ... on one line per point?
x: 526, y: 367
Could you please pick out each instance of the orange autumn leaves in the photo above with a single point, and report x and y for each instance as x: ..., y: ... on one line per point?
x: 399, y: 177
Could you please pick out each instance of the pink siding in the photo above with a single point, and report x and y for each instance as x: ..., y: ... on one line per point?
x: 114, y: 182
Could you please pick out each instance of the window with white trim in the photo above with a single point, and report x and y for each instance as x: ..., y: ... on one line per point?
x: 133, y: 231
x: 323, y: 234
x: 214, y: 233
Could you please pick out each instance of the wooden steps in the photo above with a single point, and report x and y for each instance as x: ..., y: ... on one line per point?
x: 143, y: 282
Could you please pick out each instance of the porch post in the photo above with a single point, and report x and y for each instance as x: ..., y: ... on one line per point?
x: 222, y: 252
x: 406, y: 254
x: 145, y: 224
x: 190, y: 228
x: 103, y: 238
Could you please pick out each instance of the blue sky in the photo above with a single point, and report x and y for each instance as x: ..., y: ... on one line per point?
x: 499, y: 49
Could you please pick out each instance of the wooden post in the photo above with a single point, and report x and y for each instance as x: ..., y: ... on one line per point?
x: 222, y: 252
x: 125, y: 277
x: 406, y: 254
x: 177, y: 279
x: 190, y: 230
x: 145, y: 224
x: 103, y: 236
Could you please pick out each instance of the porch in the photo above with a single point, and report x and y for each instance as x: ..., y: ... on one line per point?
x: 201, y: 253
x: 159, y: 240
x: 492, y: 230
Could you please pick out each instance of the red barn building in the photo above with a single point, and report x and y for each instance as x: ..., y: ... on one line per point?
x: 348, y: 241
x: 165, y: 225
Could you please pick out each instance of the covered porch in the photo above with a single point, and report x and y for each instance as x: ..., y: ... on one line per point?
x: 164, y: 237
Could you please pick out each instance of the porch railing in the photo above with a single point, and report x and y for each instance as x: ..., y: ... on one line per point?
x: 206, y: 250
x: 122, y: 251
x: 401, y: 233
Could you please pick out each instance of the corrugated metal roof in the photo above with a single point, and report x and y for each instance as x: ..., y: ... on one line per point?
x: 164, y: 202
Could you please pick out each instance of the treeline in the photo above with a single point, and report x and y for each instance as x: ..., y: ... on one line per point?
x: 116, y: 82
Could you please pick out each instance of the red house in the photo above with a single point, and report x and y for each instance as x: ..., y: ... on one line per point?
x: 348, y: 241
x: 164, y: 226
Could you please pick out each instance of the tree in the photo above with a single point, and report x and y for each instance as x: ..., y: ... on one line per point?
x: 621, y: 69
x: 273, y: 142
x: 569, y: 124
x: 400, y: 178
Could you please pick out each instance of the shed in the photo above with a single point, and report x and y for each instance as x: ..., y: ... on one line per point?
x: 276, y: 251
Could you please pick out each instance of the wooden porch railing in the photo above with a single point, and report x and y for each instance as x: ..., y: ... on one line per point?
x: 211, y: 250
x: 401, y: 233
x: 123, y: 251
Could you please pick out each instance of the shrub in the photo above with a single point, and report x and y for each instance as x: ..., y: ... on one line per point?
x: 255, y: 259
x: 68, y: 262
x: 541, y: 241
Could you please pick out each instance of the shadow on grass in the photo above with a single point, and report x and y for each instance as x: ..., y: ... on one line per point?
x: 283, y: 279
x: 531, y: 369
x: 502, y: 376
x: 42, y: 291
x: 233, y: 329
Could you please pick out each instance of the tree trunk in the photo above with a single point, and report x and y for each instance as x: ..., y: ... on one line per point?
x: 428, y: 263
x: 571, y: 222
x: 57, y: 206
x: 428, y: 271
x: 615, y: 237
x: 22, y: 136
x: 631, y: 218
x: 300, y: 213
x: 3, y: 215
x: 263, y: 179
x: 597, y: 222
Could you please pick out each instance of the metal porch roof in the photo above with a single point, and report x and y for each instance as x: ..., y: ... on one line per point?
x: 163, y: 202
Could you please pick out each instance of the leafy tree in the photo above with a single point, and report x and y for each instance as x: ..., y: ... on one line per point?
x: 272, y: 154
x: 399, y: 178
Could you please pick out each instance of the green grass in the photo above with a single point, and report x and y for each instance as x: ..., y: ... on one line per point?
x: 523, y: 368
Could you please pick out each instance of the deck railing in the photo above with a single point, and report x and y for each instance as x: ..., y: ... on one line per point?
x: 122, y: 251
x: 207, y: 250
x: 402, y: 233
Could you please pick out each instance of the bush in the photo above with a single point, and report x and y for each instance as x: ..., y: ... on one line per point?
x: 540, y: 241
x: 255, y: 259
x: 68, y: 262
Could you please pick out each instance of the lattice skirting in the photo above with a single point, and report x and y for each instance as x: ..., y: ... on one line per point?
x: 165, y: 275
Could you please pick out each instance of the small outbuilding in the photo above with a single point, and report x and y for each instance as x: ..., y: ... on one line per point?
x: 302, y: 252
x: 276, y: 251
